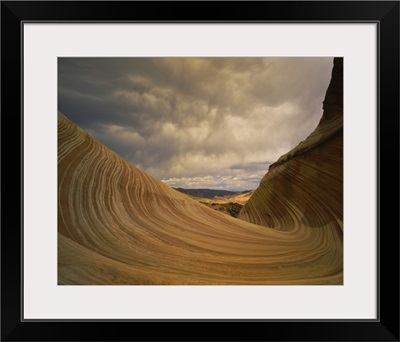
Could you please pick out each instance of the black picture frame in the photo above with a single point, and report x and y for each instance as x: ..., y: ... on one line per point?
x: 385, y: 328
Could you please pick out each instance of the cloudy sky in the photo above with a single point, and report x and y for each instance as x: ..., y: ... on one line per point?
x: 196, y: 122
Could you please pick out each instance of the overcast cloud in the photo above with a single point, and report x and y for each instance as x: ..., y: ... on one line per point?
x: 196, y: 122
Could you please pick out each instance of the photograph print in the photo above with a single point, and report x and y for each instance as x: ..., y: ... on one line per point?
x: 200, y: 171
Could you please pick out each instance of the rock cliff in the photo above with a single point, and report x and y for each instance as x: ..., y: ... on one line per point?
x: 305, y: 186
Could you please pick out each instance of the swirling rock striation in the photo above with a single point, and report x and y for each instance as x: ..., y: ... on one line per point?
x: 305, y: 186
x: 118, y: 225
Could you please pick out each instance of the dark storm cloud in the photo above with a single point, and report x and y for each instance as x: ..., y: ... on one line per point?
x: 204, y: 121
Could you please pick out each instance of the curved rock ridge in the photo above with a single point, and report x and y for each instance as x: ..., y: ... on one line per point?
x: 305, y: 185
x: 118, y: 225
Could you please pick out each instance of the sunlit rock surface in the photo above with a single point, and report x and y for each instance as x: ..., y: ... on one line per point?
x: 304, y: 188
x: 118, y: 225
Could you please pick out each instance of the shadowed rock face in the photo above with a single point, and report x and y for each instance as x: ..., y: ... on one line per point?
x: 306, y: 184
x: 118, y: 225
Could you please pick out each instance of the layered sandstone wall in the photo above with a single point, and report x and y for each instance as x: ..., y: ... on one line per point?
x: 306, y: 184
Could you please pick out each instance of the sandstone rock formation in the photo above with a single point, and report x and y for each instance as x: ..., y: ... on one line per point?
x: 118, y: 225
x: 305, y: 186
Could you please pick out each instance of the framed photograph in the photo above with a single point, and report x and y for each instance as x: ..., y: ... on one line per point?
x: 232, y: 165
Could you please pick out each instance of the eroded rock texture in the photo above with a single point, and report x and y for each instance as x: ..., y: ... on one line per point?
x: 305, y: 186
x: 118, y: 225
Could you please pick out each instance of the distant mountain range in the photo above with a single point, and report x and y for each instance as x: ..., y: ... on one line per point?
x: 226, y: 202
x: 210, y: 193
